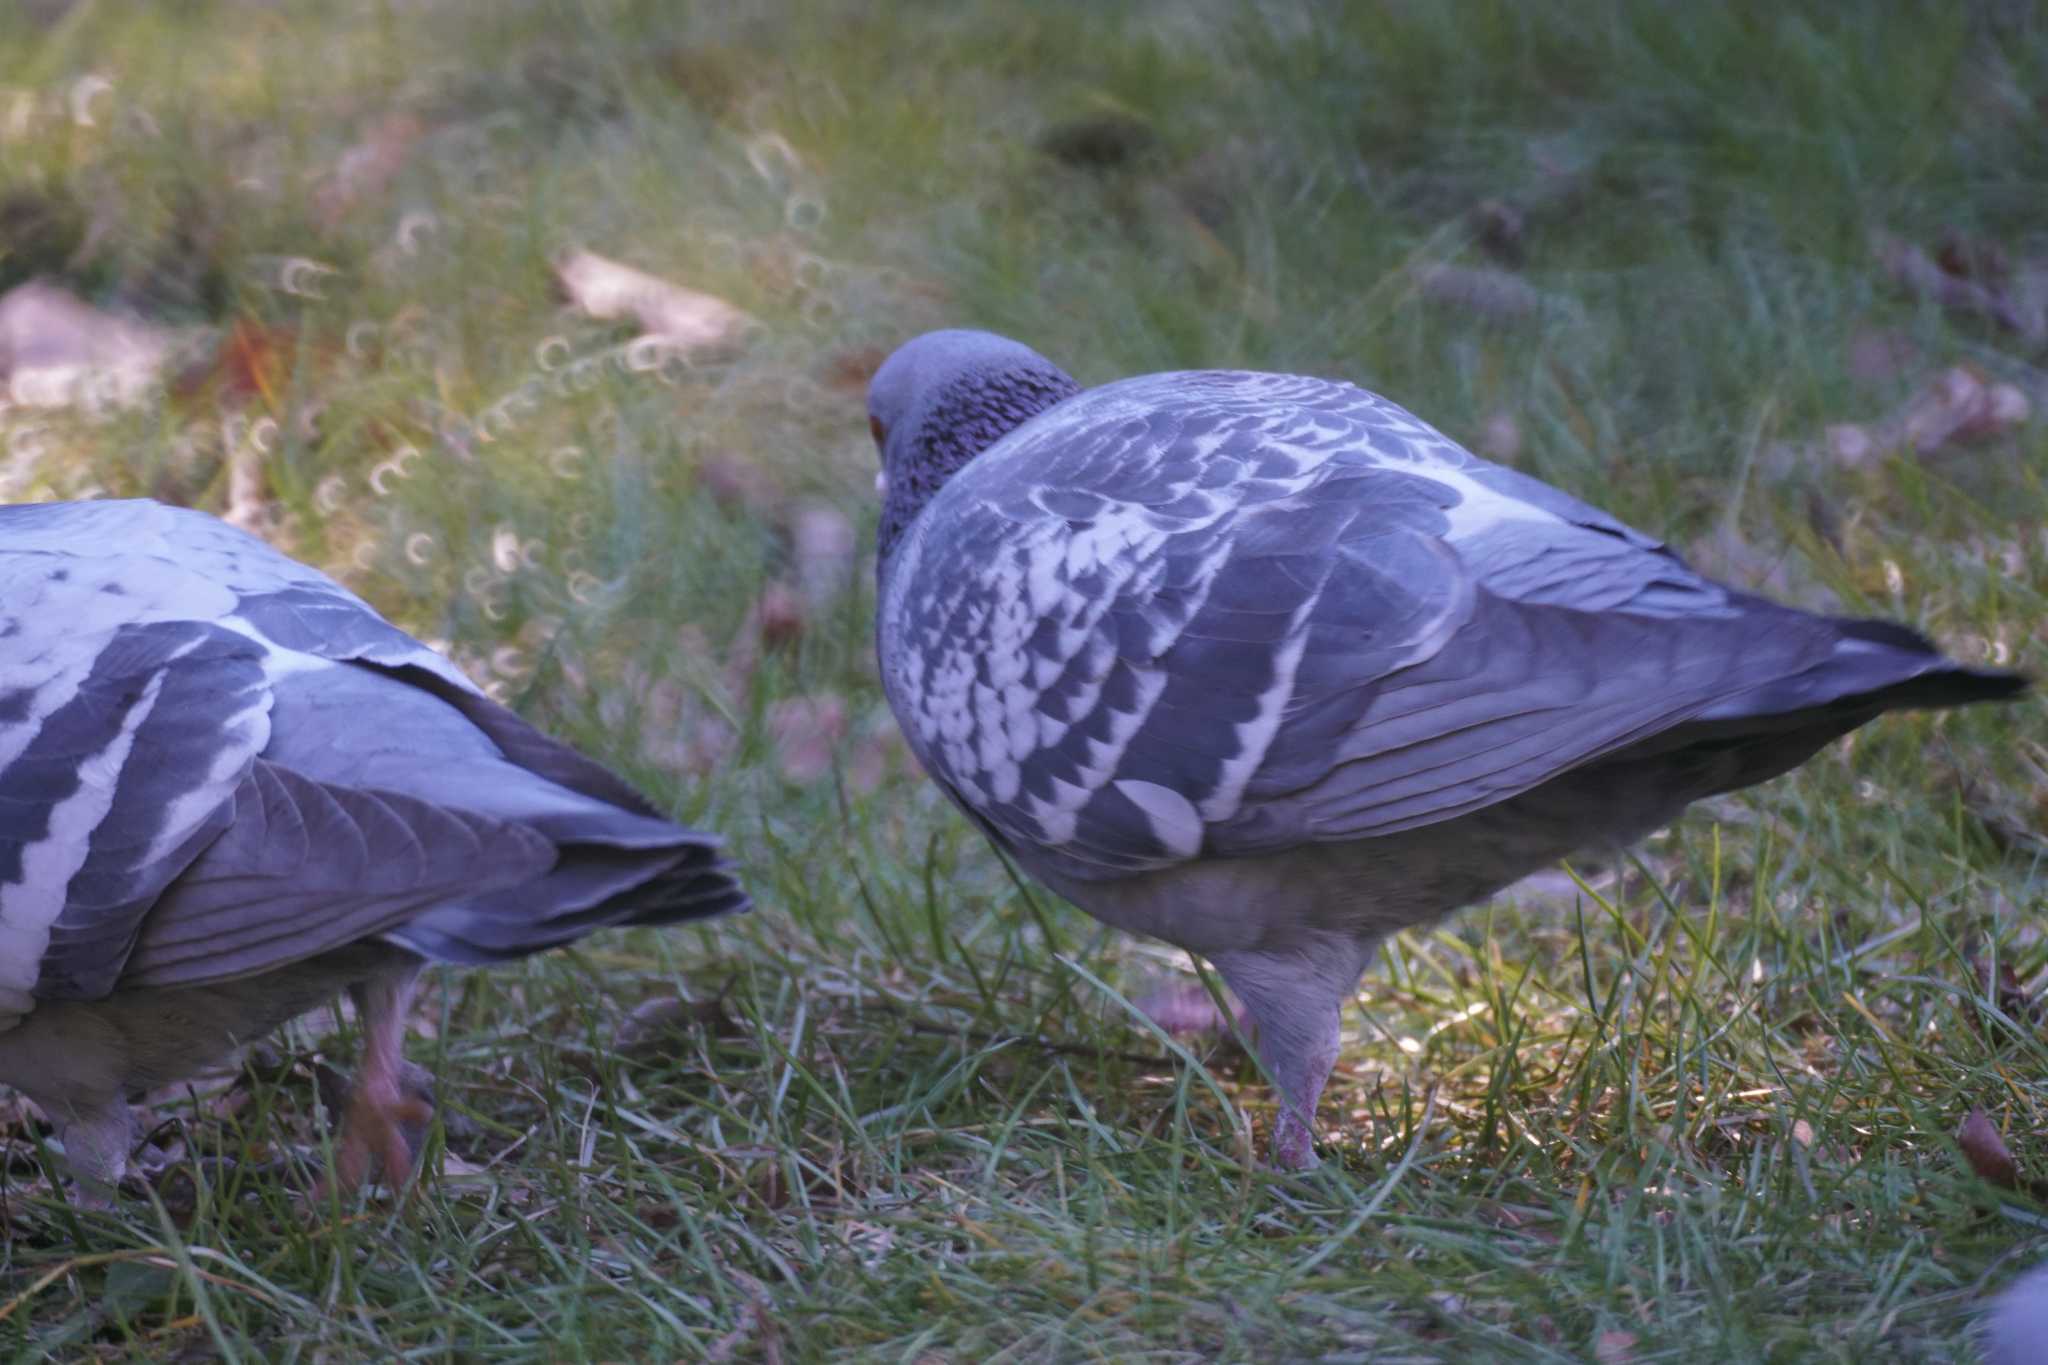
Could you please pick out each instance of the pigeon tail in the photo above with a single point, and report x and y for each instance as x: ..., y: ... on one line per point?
x: 1876, y: 666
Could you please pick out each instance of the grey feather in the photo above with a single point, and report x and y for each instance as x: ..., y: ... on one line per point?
x: 228, y: 788
x: 1175, y: 640
x: 252, y: 676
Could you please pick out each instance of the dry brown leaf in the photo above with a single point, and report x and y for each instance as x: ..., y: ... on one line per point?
x: 665, y: 1015
x: 1971, y: 258
x: 757, y: 1325
x: 1958, y: 406
x: 685, y: 319
x: 1500, y: 437
x: 778, y: 615
x: 366, y: 169
x: 805, y: 732
x: 849, y: 371
x: 1498, y: 226
x: 1614, y: 1347
x: 1920, y: 274
x: 734, y: 481
x: 1497, y: 295
x: 56, y: 350
x: 1985, y: 1150
x: 252, y: 360
x: 2005, y: 987
x: 876, y: 756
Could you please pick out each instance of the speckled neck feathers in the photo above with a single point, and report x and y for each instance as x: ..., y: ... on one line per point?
x: 952, y: 425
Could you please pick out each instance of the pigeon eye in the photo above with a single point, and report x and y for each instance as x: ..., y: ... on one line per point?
x: 875, y: 430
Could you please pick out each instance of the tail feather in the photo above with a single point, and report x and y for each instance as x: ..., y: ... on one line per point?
x: 1876, y: 666
x: 593, y: 887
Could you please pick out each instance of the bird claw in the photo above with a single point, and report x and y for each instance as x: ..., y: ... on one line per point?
x: 1294, y: 1144
x: 383, y: 1127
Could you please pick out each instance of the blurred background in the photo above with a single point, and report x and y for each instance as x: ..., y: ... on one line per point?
x: 545, y: 326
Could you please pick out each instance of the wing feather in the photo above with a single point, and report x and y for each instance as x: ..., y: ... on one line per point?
x: 188, y: 791
x: 1296, y: 608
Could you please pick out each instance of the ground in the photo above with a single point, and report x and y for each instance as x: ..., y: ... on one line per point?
x: 1766, y: 279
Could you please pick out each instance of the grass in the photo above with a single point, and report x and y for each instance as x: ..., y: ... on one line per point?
x: 1699, y: 1106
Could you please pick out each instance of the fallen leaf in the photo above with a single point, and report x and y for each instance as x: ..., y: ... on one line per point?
x: 1971, y: 258
x: 805, y: 731
x: 367, y: 168
x: 875, y: 756
x: 1497, y: 295
x: 1958, y: 406
x: 669, y: 314
x: 1498, y: 227
x: 252, y: 360
x: 1986, y: 1151
x: 1921, y: 275
x: 778, y: 615
x: 665, y: 1015
x: 2011, y: 995
x: 706, y: 77
x: 734, y: 481
x: 756, y: 1325
x: 849, y: 371
x: 1614, y: 1347
x: 1500, y: 437
x: 56, y: 350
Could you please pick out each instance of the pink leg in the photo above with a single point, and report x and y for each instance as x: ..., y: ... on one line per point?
x: 1296, y: 999
x: 379, y: 1109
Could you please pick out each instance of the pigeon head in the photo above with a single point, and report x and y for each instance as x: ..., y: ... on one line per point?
x: 942, y: 399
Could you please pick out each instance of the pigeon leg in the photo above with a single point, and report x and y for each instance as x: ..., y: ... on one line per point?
x: 1295, y: 998
x: 97, y: 1139
x: 384, y: 1101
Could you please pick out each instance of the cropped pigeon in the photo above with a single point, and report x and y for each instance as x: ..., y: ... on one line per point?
x: 229, y: 789
x: 1267, y: 667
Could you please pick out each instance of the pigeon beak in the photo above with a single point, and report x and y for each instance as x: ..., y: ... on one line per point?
x: 881, y: 484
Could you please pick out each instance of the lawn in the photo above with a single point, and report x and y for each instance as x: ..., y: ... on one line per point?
x: 1769, y: 280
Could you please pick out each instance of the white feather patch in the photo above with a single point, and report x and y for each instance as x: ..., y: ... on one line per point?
x: 32, y: 904
x: 1174, y: 821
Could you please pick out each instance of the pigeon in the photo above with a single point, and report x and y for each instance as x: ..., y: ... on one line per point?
x: 1267, y: 667
x: 230, y: 790
x: 2015, y: 1330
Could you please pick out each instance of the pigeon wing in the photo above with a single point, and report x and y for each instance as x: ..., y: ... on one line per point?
x: 1217, y: 614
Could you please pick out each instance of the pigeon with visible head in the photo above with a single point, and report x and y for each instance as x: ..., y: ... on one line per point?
x: 1267, y: 667
x: 230, y: 790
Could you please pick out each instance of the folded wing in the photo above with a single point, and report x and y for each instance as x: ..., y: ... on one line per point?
x: 1222, y: 614
x: 214, y: 760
